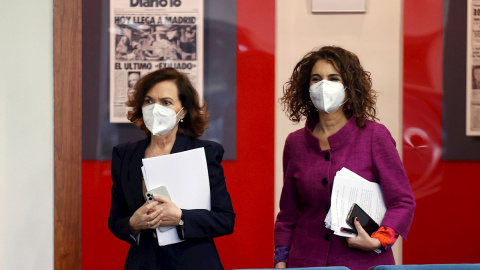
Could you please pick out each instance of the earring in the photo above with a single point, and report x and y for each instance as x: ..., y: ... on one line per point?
x: 181, y: 120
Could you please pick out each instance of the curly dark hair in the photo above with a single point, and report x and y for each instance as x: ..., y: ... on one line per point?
x: 195, y: 121
x: 361, y: 97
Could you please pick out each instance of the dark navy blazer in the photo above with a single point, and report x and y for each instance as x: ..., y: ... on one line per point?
x: 198, y: 251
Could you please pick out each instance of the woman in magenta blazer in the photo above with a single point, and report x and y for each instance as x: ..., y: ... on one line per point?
x: 331, y: 90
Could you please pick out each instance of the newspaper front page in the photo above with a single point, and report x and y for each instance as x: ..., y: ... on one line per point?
x: 473, y: 69
x: 146, y: 35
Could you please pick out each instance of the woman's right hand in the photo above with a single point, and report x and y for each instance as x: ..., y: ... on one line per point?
x: 281, y: 265
x: 148, y: 216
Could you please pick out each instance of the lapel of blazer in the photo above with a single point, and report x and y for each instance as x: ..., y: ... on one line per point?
x: 182, y: 143
x: 135, y: 176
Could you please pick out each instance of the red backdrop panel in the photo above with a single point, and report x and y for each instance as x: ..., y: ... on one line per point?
x: 100, y: 249
x: 250, y: 178
x: 444, y: 190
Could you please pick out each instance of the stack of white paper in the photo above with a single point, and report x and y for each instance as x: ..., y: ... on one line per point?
x: 349, y: 188
x: 185, y: 175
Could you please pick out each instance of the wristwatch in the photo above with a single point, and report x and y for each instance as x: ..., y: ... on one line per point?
x: 180, y: 228
x: 180, y: 223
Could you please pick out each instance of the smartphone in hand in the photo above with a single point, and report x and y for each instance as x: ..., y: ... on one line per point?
x: 162, y: 191
x: 365, y: 220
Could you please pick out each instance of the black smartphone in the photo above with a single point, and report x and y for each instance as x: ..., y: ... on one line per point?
x: 366, y: 221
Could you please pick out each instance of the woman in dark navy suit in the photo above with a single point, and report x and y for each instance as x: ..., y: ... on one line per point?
x: 166, y: 107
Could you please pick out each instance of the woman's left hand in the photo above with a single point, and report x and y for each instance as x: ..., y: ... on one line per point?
x: 171, y: 212
x: 363, y: 241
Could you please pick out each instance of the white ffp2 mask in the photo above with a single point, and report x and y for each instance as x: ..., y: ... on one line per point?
x: 327, y: 95
x: 159, y: 119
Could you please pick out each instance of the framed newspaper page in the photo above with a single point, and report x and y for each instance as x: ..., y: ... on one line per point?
x: 458, y: 67
x: 473, y: 69
x: 147, y: 35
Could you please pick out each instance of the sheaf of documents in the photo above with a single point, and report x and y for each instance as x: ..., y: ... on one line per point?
x: 185, y: 175
x: 349, y: 188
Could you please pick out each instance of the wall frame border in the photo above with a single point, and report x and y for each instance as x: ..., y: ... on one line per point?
x: 67, y: 65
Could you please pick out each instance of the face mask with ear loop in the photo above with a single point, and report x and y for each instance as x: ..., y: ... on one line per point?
x: 327, y: 96
x: 159, y: 119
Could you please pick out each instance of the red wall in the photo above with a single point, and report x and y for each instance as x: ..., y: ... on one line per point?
x: 445, y: 191
x: 250, y: 178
